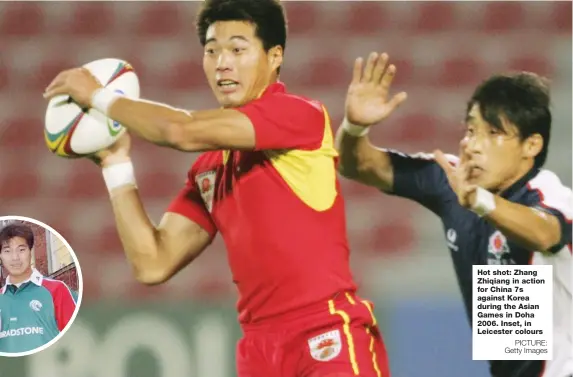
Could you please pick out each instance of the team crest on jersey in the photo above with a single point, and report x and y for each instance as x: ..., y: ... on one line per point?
x: 206, y: 184
x: 325, y: 347
x: 35, y: 305
x: 498, y: 249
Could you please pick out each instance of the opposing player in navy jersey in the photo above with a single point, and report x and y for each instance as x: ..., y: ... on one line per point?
x: 496, y: 203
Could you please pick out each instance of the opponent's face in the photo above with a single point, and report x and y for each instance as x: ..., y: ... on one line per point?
x: 236, y: 65
x: 500, y: 156
x: 16, y: 256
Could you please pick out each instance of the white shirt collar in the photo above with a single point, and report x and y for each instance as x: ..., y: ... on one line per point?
x: 36, y: 277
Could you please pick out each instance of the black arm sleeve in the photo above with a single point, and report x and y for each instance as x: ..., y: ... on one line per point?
x: 418, y: 177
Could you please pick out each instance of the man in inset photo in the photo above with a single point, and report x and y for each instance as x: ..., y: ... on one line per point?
x: 33, y: 308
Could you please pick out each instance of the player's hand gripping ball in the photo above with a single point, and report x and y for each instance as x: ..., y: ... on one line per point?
x: 71, y: 128
x: 368, y: 98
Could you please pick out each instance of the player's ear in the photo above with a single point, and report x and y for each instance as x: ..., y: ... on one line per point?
x: 275, y: 56
x: 533, y: 145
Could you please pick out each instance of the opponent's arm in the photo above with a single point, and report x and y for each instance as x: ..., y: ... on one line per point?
x: 367, y: 103
x: 363, y: 162
x: 529, y: 227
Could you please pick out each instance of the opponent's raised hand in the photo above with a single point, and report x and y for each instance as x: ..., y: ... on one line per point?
x: 458, y: 176
x: 368, y: 98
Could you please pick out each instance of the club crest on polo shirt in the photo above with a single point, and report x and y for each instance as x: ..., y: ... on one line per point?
x: 326, y: 346
x: 206, y: 184
x: 35, y: 305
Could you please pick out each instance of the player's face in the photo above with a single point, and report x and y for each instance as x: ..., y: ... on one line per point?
x: 16, y: 256
x: 501, y: 156
x: 236, y: 65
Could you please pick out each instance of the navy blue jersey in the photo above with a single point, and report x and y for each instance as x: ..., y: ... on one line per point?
x: 471, y: 240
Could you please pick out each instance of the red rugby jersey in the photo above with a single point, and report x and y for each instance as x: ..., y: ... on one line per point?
x: 278, y: 208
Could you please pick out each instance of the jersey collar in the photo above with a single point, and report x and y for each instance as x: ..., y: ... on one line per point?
x: 276, y: 87
x: 511, y: 190
x: 36, y: 277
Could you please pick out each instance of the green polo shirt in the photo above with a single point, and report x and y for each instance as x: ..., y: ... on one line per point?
x: 34, y: 313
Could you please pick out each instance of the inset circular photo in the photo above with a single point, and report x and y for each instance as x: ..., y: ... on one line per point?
x: 41, y: 286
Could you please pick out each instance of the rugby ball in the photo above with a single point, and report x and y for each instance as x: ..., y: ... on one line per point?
x: 71, y: 131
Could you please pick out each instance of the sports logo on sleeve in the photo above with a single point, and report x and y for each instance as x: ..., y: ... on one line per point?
x: 325, y: 347
x: 206, y: 184
x: 451, y: 237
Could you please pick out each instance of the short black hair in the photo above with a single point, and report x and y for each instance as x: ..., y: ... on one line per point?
x: 522, y: 99
x: 268, y: 17
x: 17, y: 230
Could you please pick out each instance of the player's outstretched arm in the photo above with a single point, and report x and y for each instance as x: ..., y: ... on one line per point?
x: 156, y: 253
x: 158, y: 123
x: 367, y: 103
x: 269, y: 123
x: 195, y: 131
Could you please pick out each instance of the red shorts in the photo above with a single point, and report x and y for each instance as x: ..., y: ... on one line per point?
x: 338, y: 338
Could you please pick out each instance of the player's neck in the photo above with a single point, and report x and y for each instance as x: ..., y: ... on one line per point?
x: 521, y: 171
x: 17, y: 279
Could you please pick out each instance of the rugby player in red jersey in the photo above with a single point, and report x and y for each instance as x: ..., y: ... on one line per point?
x: 267, y: 182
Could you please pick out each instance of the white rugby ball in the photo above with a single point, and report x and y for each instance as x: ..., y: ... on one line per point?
x: 73, y: 132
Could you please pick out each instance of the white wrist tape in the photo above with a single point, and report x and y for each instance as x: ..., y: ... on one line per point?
x: 103, y: 98
x: 353, y: 129
x: 119, y: 175
x: 485, y: 202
